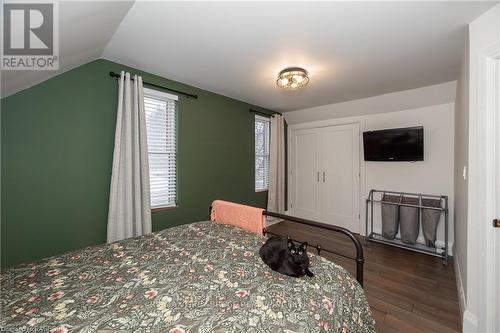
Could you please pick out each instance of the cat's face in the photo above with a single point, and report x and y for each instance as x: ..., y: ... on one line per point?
x: 297, y: 252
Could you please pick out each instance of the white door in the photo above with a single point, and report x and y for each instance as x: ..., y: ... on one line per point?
x: 304, y: 174
x: 339, y: 160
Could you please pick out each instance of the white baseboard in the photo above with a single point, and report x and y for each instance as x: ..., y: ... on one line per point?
x: 469, y: 323
x: 460, y: 287
x: 469, y: 320
x: 421, y: 240
x: 439, y: 244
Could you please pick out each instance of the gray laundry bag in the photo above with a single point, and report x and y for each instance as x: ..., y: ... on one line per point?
x: 409, y: 220
x: 390, y: 216
x: 430, y: 220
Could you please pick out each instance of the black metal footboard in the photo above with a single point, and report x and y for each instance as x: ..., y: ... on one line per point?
x: 359, y: 259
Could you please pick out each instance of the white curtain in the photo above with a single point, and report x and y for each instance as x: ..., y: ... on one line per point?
x: 129, y: 203
x: 276, y: 192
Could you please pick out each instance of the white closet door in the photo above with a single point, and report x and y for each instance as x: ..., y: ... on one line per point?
x: 305, y: 174
x: 339, y: 157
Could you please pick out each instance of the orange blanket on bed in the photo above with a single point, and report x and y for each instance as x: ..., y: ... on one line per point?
x: 245, y: 217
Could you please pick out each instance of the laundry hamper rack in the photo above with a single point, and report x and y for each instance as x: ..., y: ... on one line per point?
x: 441, y: 252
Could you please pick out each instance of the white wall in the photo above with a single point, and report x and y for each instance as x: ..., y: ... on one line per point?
x: 434, y: 175
x: 402, y: 100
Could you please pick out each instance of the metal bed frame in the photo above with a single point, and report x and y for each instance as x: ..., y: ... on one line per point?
x: 359, y: 259
x: 378, y: 238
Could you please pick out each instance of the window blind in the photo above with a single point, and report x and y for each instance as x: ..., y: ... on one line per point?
x: 262, y: 128
x: 161, y: 114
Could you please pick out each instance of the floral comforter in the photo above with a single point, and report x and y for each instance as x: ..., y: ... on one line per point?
x: 202, y: 277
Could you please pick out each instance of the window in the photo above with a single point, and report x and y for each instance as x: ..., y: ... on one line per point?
x: 261, y: 153
x: 161, y: 115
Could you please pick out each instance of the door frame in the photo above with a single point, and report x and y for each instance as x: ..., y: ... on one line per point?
x: 482, y: 238
x: 496, y: 203
x: 359, y: 121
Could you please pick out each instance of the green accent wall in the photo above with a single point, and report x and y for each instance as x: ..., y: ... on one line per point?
x: 57, y: 151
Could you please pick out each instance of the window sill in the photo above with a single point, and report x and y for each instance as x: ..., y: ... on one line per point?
x: 159, y: 209
x: 259, y: 191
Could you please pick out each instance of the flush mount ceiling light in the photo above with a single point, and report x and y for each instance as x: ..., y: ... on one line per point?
x: 292, y: 78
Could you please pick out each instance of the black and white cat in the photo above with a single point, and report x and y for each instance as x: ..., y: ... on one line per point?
x: 282, y: 255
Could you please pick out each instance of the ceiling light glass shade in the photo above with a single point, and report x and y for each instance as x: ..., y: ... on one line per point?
x: 297, y: 78
x: 283, y: 81
x: 292, y: 78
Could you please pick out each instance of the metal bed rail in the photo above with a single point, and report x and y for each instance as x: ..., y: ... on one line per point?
x: 359, y: 259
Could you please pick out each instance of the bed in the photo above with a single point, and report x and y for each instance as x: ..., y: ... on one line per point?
x: 201, y: 277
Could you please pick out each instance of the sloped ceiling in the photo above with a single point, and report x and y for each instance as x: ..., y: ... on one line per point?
x: 85, y: 28
x: 352, y: 49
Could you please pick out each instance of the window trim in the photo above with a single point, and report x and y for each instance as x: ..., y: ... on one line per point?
x: 161, y: 95
x: 162, y: 208
x: 267, y: 120
x: 154, y: 93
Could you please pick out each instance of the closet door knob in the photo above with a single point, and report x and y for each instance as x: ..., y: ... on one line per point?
x: 324, y: 176
x: 496, y: 223
x: 317, y: 177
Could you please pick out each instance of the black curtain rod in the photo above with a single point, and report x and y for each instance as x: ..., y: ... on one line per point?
x: 263, y: 113
x: 117, y: 76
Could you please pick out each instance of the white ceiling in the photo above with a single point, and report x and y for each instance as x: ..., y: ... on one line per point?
x: 351, y: 49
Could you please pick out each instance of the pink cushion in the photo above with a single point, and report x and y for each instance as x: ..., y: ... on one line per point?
x: 242, y: 216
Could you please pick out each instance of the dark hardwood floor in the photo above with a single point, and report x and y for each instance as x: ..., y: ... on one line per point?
x: 407, y: 291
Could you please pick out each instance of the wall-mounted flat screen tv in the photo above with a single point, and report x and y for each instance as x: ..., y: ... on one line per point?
x: 398, y: 144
